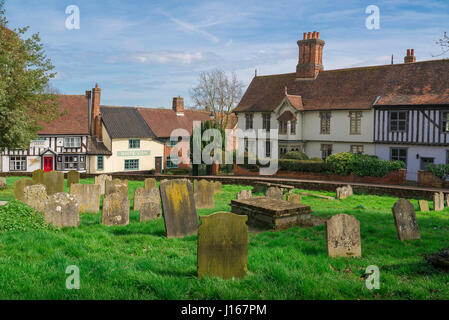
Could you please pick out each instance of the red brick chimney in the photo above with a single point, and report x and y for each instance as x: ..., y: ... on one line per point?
x: 410, y: 57
x: 96, y: 116
x: 310, y: 60
x: 178, y: 105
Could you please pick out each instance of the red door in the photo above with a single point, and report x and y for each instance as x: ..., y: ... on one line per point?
x: 48, y: 164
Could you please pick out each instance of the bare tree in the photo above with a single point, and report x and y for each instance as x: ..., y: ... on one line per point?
x: 219, y: 93
x: 49, y: 89
x: 444, y: 44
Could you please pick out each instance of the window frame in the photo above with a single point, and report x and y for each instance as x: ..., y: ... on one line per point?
x: 326, y: 147
x: 266, y: 121
x: 444, y: 123
x: 133, y: 166
x: 399, y: 149
x: 169, y: 159
x: 293, y: 127
x: 397, y: 121
x: 69, y: 142
x: 356, y: 146
x: 131, y: 143
x: 268, y: 148
x: 283, y: 126
x: 325, y: 122
x: 249, y: 121
x: 21, y: 161
x: 102, y: 162
x: 355, y: 122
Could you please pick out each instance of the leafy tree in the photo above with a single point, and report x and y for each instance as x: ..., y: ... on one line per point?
x: 25, y: 72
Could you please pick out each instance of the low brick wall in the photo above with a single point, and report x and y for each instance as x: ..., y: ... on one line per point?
x: 428, y: 179
x: 393, y: 177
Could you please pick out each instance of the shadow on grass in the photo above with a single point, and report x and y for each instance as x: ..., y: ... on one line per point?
x: 128, y: 231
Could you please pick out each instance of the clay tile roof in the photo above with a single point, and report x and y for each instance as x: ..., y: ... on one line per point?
x: 287, y: 116
x: 295, y: 101
x: 74, y: 121
x: 124, y: 122
x: 163, y: 121
x: 96, y: 147
x: 418, y: 83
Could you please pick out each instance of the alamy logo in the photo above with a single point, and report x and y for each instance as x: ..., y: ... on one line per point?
x: 73, y: 20
x: 73, y: 280
x: 372, y: 281
x: 372, y: 22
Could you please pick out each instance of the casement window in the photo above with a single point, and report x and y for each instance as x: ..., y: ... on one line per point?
x: 398, y: 121
x: 398, y: 154
x: 356, y: 148
x: 282, y: 127
x: 132, y: 164
x: 134, y: 144
x: 17, y: 163
x: 325, y: 125
x: 72, y: 142
x: 355, y: 120
x: 171, y: 161
x: 246, y: 145
x: 326, y: 151
x: 444, y: 116
x: 100, y: 162
x: 248, y: 121
x: 293, y: 127
x: 266, y: 121
x: 267, y: 149
x: 71, y: 162
x: 172, y: 143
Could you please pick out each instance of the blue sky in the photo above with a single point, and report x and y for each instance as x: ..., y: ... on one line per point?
x: 143, y: 53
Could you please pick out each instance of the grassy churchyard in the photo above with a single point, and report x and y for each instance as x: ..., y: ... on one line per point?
x: 137, y: 261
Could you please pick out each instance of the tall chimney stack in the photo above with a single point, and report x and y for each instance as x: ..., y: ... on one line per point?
x: 178, y: 106
x: 310, y: 60
x: 96, y: 116
x: 410, y: 57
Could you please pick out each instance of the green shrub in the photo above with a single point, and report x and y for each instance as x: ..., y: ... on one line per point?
x: 340, y: 163
x: 15, y: 215
x: 303, y: 165
x: 295, y: 155
x: 439, y: 170
x: 316, y: 159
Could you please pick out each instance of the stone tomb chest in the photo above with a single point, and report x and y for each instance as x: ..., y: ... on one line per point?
x: 271, y: 213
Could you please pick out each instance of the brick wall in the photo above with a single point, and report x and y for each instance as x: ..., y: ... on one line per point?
x: 428, y: 179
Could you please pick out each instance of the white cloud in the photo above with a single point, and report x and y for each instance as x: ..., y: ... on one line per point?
x: 188, y: 27
x: 185, y: 58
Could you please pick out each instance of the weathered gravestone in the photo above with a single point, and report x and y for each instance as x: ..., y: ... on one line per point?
x: 141, y: 195
x: 275, y: 193
x: 204, y: 194
x: 218, y: 187
x: 3, y: 184
x: 223, y: 245
x: 88, y: 196
x: 405, y: 220
x: 294, y: 198
x: 423, y: 206
x: 19, y: 187
x: 150, y: 210
x: 149, y: 183
x: 38, y: 176
x: 343, y: 236
x: 73, y: 177
x: 53, y: 182
x: 35, y: 196
x: 344, y: 192
x: 101, y: 180
x: 447, y: 199
x: 61, y: 210
x: 438, y: 201
x: 179, y: 209
x: 116, y: 186
x: 115, y: 210
x: 244, y: 194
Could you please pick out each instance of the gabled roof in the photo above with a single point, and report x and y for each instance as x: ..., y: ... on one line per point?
x: 295, y: 101
x: 124, y: 122
x: 74, y: 121
x: 96, y: 147
x: 287, y: 116
x: 418, y: 83
x: 163, y: 121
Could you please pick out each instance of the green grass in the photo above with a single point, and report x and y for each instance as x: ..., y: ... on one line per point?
x: 138, y: 262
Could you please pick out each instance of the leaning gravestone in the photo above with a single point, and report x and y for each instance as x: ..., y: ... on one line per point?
x: 38, y: 176
x: 53, y: 182
x: 88, y: 196
x: 438, y: 201
x: 3, y: 184
x: 35, y: 196
x: 294, y: 198
x: 244, y: 194
x: 150, y: 210
x: 61, y: 210
x: 101, y: 180
x: 149, y: 183
x: 141, y: 195
x: 218, y: 187
x: 343, y: 236
x: 73, y: 177
x: 19, y: 187
x: 423, y: 206
x: 204, y: 194
x: 275, y: 193
x: 179, y: 209
x: 115, y: 210
x: 223, y: 245
x: 115, y: 186
x: 344, y: 192
x: 405, y: 220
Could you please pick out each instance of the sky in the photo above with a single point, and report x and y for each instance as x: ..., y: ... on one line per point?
x: 143, y: 52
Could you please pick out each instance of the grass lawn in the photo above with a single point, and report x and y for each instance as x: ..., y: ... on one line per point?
x: 138, y: 262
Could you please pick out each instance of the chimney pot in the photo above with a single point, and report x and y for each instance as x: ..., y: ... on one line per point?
x: 317, y: 35
x: 408, y: 52
x: 309, y: 35
x: 314, y: 35
x: 178, y: 105
x: 310, y: 60
x: 305, y: 36
x: 413, y: 52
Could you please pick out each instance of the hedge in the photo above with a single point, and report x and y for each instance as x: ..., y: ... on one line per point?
x: 303, y: 165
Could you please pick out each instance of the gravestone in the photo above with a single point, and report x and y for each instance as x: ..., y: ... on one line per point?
x: 3, y: 184
x: 438, y: 201
x: 405, y: 220
x: 101, y: 180
x: 53, y: 182
x: 275, y: 193
x: 218, y: 187
x: 115, y: 210
x: 150, y: 210
x: 179, y: 209
x: 115, y: 186
x: 141, y: 195
x: 35, y: 196
x: 149, y: 183
x: 423, y: 206
x: 344, y: 192
x: 447, y: 199
x: 73, y: 177
x: 223, y: 245
x: 244, y: 194
x: 19, y: 187
x: 204, y: 194
x: 343, y: 236
x: 38, y: 176
x: 349, y: 190
x: 154, y: 195
x: 88, y: 196
x: 61, y: 210
x: 294, y: 198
